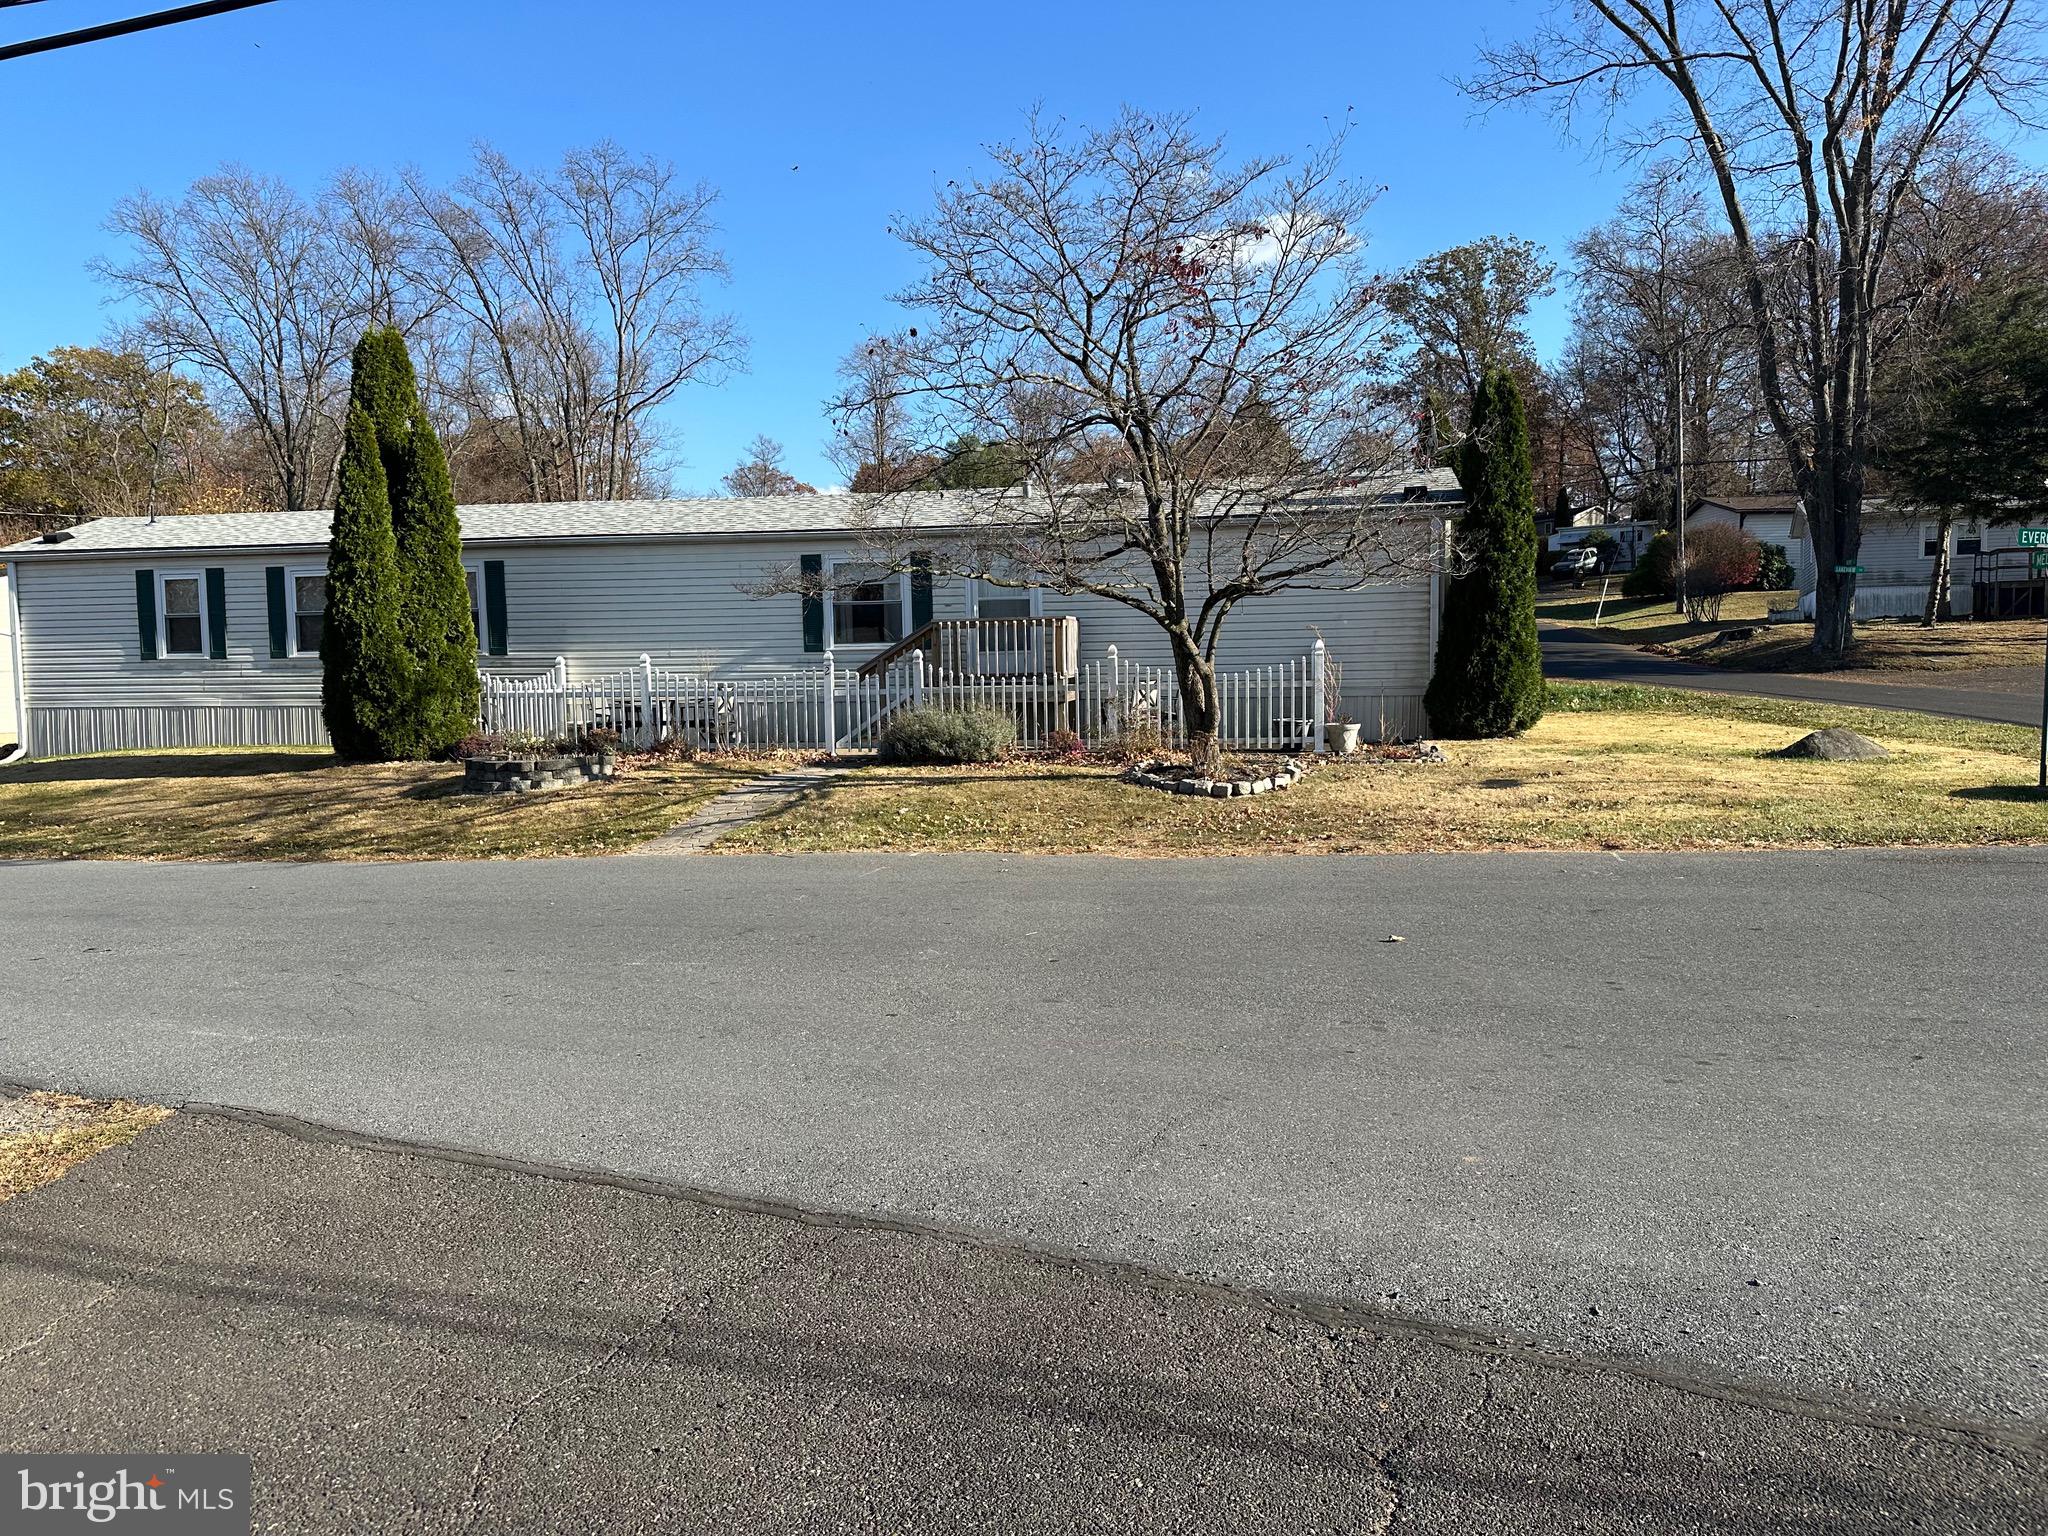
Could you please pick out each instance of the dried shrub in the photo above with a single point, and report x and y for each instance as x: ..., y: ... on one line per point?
x: 1065, y: 746
x: 940, y: 736
x: 1139, y: 741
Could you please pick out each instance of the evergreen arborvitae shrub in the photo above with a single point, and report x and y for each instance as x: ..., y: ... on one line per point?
x: 1489, y: 668
x: 366, y: 673
x: 1774, y: 571
x: 1656, y: 572
x: 433, y: 595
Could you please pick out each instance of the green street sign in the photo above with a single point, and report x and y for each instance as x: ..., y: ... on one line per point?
x: 2040, y: 561
x: 2034, y: 538
x: 1848, y: 570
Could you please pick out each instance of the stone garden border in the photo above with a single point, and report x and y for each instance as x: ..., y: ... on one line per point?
x: 1153, y: 776
x: 528, y: 774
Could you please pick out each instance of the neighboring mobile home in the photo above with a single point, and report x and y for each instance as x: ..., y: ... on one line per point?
x: 205, y: 630
x: 1900, y: 544
x: 1767, y: 519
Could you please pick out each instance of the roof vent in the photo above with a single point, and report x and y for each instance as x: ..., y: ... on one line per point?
x: 57, y: 536
x: 1415, y: 493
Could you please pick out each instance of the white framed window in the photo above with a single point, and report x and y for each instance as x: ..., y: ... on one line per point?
x: 305, y: 603
x: 1969, y: 539
x: 987, y: 600
x: 181, y: 628
x: 865, y: 604
x: 473, y: 578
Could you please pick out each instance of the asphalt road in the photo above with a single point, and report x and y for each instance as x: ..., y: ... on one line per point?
x: 408, y: 1345
x: 2008, y: 694
x: 1771, y: 1118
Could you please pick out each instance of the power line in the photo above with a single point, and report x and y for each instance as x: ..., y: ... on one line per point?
x: 125, y: 28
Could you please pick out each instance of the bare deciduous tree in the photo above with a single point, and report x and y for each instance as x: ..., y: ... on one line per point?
x: 242, y: 280
x: 761, y: 473
x: 1128, y: 296
x: 584, y: 290
x: 1660, y: 329
x: 1813, y: 120
x: 876, y: 440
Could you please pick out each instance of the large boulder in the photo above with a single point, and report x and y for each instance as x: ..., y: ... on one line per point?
x: 1836, y: 745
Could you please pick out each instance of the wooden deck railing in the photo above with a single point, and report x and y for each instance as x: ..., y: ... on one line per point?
x: 1039, y: 647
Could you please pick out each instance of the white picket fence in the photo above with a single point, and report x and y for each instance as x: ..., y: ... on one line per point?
x: 831, y: 708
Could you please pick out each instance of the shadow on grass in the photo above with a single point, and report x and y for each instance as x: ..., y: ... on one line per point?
x: 2024, y: 794
x: 168, y: 765
x: 941, y: 778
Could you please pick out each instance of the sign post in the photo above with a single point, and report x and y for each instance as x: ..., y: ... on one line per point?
x: 2036, y: 539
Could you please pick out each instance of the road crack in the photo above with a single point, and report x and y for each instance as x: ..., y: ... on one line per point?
x: 62, y: 1320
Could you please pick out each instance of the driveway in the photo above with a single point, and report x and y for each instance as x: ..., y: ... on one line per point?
x: 1767, y: 1118
x: 408, y: 1344
x: 2008, y: 694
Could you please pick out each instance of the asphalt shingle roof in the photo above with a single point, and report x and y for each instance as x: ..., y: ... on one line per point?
x: 697, y: 517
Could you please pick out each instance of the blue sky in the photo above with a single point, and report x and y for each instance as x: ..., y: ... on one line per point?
x: 817, y: 122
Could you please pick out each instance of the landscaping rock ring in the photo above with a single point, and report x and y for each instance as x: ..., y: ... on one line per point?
x: 1179, y: 779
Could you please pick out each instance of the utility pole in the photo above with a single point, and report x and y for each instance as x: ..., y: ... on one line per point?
x: 1678, y: 467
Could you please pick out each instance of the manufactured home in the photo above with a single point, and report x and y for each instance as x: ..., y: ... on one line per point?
x: 1988, y: 575
x: 205, y: 630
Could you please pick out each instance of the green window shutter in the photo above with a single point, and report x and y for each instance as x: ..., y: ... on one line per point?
x: 494, y: 607
x: 920, y: 589
x: 273, y: 588
x: 145, y: 612
x: 814, y: 602
x: 217, y: 612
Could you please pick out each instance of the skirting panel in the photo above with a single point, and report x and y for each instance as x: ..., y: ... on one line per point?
x: 124, y: 728
x: 1387, y: 716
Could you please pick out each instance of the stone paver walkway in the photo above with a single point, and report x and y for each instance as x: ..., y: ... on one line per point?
x: 735, y: 808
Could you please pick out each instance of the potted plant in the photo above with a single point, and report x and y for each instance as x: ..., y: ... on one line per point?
x: 1340, y: 731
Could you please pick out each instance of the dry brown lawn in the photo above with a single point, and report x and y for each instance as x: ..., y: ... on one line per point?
x: 307, y: 805
x: 1649, y: 621
x: 1608, y: 768
x: 44, y: 1134
x: 1887, y: 645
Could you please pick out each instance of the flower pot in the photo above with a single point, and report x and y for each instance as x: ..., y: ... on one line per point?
x: 1341, y: 737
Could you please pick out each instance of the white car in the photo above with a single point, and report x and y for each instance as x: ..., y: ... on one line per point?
x: 1579, y: 560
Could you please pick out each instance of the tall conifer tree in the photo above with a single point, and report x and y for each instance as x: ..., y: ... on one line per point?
x: 1489, y: 667
x: 366, y: 683
x: 434, y: 608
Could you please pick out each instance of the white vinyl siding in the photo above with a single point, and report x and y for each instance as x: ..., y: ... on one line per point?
x: 688, y: 604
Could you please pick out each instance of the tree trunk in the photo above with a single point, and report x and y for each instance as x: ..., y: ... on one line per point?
x: 1201, y: 706
x: 1937, y: 589
x: 1834, y: 528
